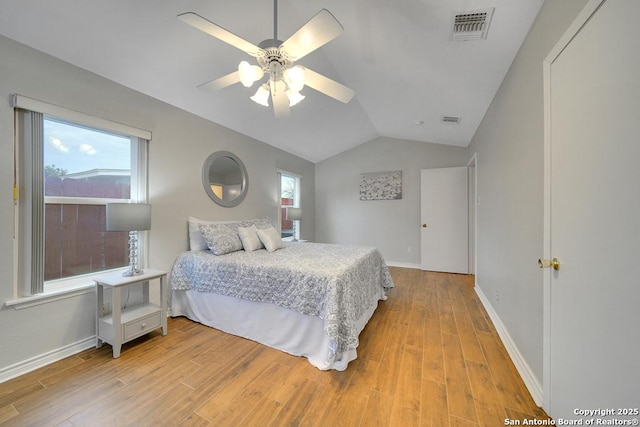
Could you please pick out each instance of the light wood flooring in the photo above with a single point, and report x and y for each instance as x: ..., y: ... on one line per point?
x: 428, y: 357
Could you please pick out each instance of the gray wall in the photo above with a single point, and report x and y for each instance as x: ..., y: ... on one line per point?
x: 391, y: 225
x: 181, y: 143
x: 509, y: 144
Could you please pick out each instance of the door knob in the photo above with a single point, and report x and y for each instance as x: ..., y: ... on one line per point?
x: 545, y: 263
x: 424, y: 225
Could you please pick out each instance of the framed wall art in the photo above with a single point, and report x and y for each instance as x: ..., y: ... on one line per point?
x: 381, y: 185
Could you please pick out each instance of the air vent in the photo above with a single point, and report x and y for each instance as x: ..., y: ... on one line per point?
x: 472, y: 25
x: 451, y: 120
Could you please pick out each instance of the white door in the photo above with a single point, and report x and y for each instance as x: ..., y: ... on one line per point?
x: 444, y: 216
x: 592, y: 152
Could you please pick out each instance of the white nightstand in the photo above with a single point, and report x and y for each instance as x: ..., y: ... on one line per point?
x: 124, y: 325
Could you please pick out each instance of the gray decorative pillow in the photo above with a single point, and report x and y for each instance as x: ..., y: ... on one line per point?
x: 221, y: 238
x: 249, y: 238
x: 271, y: 239
x: 262, y: 223
x: 196, y: 240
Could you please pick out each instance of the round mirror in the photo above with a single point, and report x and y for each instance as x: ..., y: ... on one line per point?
x: 225, y: 179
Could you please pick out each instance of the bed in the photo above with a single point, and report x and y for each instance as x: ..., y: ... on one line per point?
x: 307, y: 299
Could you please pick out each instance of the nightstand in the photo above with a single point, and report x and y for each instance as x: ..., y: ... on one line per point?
x: 124, y: 325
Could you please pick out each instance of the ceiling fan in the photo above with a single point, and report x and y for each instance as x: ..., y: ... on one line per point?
x: 277, y: 60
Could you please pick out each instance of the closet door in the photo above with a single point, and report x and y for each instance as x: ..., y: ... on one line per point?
x: 592, y: 301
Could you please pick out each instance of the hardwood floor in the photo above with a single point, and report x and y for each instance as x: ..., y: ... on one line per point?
x: 428, y: 357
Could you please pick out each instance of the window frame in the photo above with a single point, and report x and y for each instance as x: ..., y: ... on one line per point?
x: 297, y: 199
x: 23, y: 192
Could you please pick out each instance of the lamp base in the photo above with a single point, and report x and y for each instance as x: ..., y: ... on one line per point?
x: 133, y: 269
x: 130, y: 273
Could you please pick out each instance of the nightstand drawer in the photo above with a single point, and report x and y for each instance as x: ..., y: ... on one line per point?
x: 141, y: 326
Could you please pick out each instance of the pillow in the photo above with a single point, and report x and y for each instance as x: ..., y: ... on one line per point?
x: 249, y: 238
x: 196, y: 240
x: 271, y: 239
x: 262, y: 223
x: 221, y: 238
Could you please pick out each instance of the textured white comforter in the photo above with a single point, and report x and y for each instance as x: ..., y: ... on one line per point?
x: 337, y: 283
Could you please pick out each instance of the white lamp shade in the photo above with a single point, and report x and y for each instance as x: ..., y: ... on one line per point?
x: 261, y: 96
x: 249, y: 73
x: 294, y: 77
x: 128, y: 216
x: 294, y: 97
x: 294, y: 214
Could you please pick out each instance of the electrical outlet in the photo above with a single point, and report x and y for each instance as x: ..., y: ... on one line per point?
x: 106, y: 308
x: 497, y: 295
x: 409, y: 250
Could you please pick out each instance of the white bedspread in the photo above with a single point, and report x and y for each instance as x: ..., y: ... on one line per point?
x: 336, y: 283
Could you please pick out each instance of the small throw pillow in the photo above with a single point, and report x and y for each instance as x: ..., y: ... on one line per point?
x: 271, y: 239
x: 249, y: 238
x: 221, y: 238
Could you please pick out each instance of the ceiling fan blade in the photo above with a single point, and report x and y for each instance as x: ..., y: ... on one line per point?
x: 317, y: 32
x: 327, y: 86
x: 280, y: 100
x: 220, y: 33
x: 221, y: 83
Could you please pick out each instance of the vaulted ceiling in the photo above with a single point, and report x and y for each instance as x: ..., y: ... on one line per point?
x: 398, y: 55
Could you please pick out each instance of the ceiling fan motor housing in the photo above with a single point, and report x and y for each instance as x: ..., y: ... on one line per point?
x: 273, y: 61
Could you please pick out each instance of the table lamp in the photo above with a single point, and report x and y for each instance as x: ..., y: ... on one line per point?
x: 131, y: 217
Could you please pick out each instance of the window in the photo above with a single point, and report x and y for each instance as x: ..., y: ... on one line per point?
x: 289, y: 197
x: 70, y: 166
x: 83, y: 170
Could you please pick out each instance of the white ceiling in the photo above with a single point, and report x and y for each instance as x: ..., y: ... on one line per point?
x: 396, y: 54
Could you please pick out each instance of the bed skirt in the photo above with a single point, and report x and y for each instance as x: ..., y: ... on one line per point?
x: 268, y: 324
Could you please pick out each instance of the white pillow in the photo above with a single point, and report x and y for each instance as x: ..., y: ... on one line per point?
x: 271, y: 239
x: 249, y: 238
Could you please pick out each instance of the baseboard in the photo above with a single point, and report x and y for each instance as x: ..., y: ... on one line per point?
x: 530, y: 380
x: 44, y: 359
x: 403, y: 265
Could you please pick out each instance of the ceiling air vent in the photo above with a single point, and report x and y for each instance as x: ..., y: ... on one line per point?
x: 472, y: 25
x: 451, y: 120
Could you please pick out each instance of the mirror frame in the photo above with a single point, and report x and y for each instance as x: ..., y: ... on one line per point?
x: 207, y: 185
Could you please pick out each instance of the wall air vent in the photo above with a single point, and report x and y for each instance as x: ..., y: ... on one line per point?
x: 451, y: 120
x: 473, y: 25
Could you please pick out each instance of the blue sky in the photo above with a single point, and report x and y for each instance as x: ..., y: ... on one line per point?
x: 78, y: 149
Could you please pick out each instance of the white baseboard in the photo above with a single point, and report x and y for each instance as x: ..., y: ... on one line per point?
x: 44, y: 359
x: 404, y: 265
x: 530, y: 380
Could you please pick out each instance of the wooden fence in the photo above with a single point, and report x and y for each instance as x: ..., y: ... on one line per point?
x: 76, y: 240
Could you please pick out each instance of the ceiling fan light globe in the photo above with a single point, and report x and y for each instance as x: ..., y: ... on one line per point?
x: 294, y: 97
x: 294, y: 77
x: 249, y: 73
x: 261, y: 96
x: 245, y: 74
